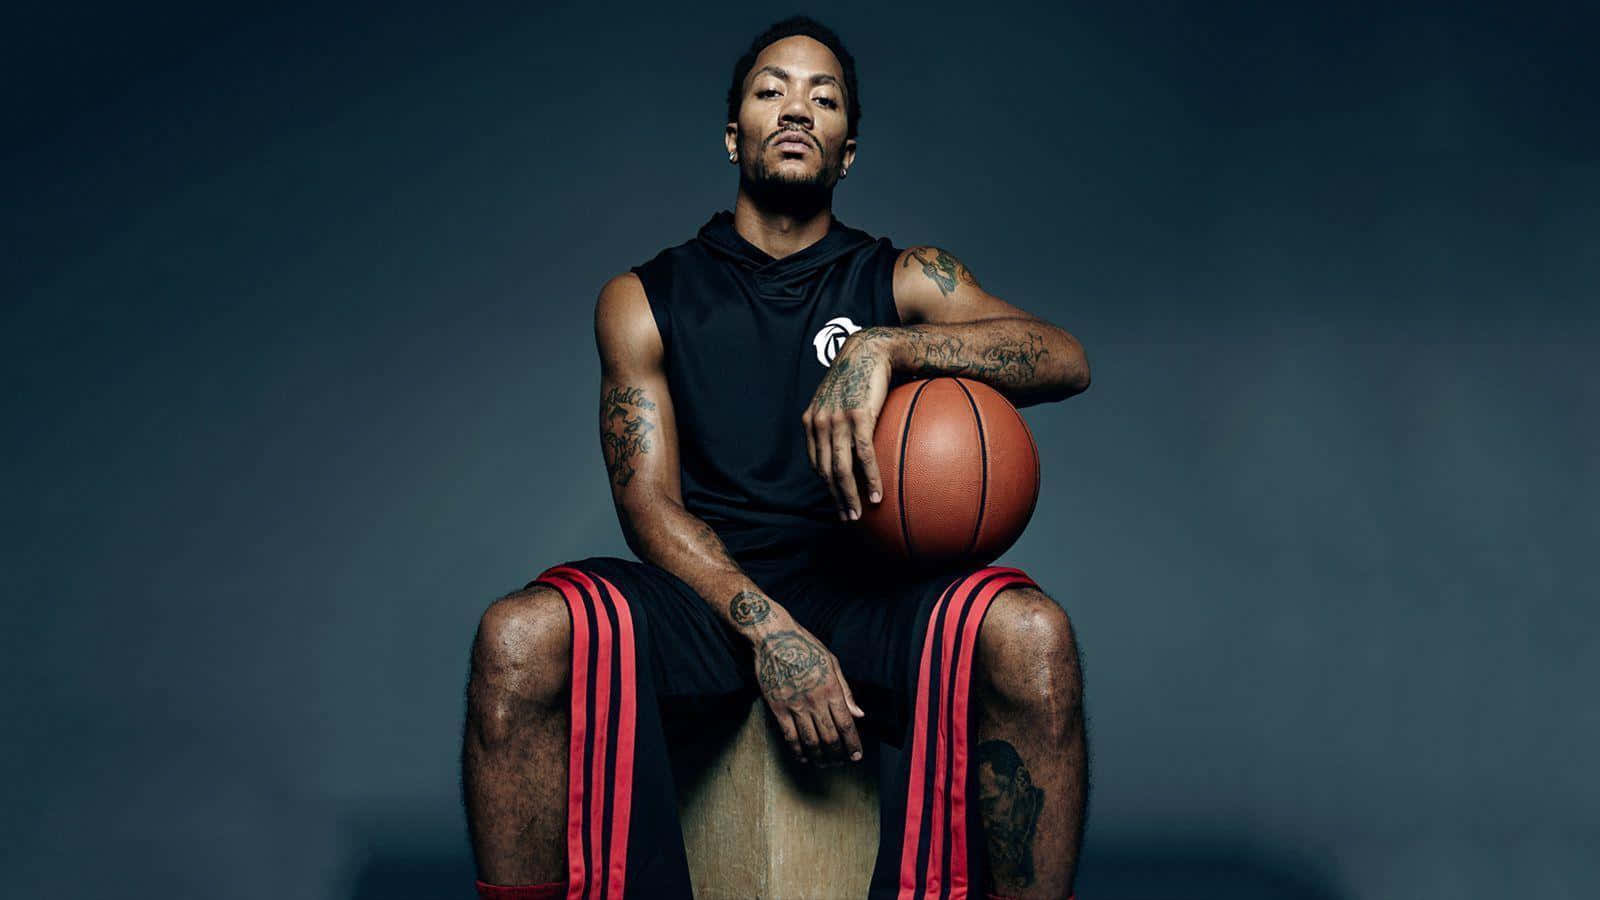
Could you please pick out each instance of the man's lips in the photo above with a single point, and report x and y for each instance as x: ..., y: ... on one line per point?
x: 791, y: 141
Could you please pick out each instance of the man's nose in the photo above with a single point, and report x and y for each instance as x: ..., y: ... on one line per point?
x: 795, y: 110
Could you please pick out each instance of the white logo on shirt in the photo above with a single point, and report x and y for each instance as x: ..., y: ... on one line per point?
x: 831, y: 338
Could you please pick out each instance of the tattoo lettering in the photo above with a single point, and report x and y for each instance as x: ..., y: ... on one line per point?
x: 1003, y: 361
x: 1010, y: 805
x: 941, y: 268
x: 624, y: 431
x: 875, y: 334
x: 748, y: 608
x: 789, y: 664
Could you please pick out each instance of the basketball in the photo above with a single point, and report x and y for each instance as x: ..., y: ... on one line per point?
x: 960, y: 474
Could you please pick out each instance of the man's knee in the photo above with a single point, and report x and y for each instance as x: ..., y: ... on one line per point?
x: 1028, y: 654
x: 520, y: 660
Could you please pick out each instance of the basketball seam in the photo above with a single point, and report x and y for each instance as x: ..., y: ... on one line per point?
x: 905, y: 525
x: 983, y: 458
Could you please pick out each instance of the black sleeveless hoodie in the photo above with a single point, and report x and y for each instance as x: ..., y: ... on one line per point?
x: 748, y: 339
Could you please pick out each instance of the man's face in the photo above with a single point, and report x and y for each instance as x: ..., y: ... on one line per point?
x: 994, y: 792
x: 791, y: 130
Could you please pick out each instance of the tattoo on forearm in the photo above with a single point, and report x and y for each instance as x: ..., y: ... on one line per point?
x: 1002, y: 360
x: 625, y: 430
x: 789, y: 664
x: 941, y: 268
x: 1010, y: 805
x: 712, y: 544
x: 749, y: 608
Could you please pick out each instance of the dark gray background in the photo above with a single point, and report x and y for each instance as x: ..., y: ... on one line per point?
x: 300, y: 375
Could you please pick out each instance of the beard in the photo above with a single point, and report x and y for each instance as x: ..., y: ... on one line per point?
x: 798, y: 195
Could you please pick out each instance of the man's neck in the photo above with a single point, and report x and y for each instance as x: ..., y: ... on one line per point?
x: 779, y: 233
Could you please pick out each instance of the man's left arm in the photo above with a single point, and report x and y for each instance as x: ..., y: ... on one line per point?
x: 950, y: 326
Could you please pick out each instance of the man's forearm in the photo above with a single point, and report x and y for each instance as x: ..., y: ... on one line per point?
x: 667, y: 534
x: 1028, y: 360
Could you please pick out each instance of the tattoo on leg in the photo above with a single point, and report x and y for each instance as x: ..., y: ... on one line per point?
x: 789, y: 664
x: 624, y: 430
x: 748, y: 608
x: 1010, y: 805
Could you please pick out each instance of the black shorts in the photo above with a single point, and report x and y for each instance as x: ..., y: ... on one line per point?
x: 646, y: 647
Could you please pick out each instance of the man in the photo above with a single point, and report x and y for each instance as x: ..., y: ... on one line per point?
x: 742, y: 374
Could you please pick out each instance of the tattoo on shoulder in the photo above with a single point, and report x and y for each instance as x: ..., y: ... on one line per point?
x: 1010, y: 805
x: 942, y: 268
x: 625, y: 426
x: 749, y: 608
x: 789, y: 664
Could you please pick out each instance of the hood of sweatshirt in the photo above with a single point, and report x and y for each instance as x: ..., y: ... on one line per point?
x: 784, y: 279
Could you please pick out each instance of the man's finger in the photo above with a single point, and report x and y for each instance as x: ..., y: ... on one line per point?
x: 869, y: 461
x: 849, y: 698
x: 811, y: 441
x: 828, y: 737
x: 847, y: 730
x: 844, y: 470
x: 808, y: 737
x: 790, y: 735
x: 825, y: 456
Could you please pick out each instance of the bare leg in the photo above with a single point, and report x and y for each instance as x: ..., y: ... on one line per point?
x: 514, y: 746
x: 1031, y: 762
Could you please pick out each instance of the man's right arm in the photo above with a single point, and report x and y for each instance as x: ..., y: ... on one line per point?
x: 639, y: 439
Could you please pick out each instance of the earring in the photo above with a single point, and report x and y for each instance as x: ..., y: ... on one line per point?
x: 844, y: 173
x: 733, y: 157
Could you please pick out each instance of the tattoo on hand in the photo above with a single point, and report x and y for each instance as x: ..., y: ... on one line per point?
x: 749, y: 608
x: 845, y: 385
x: 1010, y: 805
x: 624, y: 431
x: 941, y: 268
x: 788, y: 664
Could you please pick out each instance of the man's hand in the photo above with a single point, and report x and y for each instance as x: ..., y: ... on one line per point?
x: 807, y: 694
x: 843, y: 413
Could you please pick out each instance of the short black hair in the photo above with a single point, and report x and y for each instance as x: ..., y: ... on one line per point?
x: 819, y: 32
x: 1001, y: 757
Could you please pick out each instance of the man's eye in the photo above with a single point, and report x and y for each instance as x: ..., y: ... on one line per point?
x: 765, y: 91
x: 829, y: 102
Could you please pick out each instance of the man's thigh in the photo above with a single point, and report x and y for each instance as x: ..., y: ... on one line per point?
x: 691, y: 653
x: 879, y: 627
x: 874, y: 625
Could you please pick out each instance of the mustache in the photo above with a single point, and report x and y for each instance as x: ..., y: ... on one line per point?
x: 798, y: 132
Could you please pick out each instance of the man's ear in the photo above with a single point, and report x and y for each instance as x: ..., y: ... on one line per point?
x: 730, y: 138
x: 849, y: 158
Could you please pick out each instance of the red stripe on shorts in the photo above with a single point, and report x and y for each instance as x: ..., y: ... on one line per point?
x: 602, y: 871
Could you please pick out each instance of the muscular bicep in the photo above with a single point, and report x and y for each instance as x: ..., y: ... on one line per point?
x: 638, y: 434
x: 932, y: 286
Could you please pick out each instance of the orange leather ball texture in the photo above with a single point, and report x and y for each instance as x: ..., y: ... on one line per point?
x: 960, y: 474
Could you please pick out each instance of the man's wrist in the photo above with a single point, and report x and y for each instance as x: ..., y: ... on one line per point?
x: 754, y: 614
x: 891, y: 340
x: 779, y: 621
